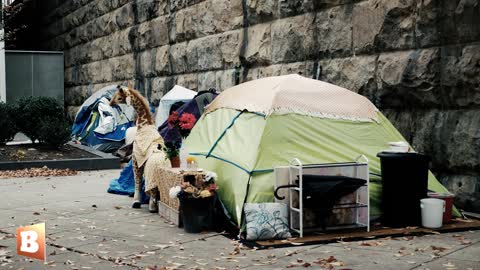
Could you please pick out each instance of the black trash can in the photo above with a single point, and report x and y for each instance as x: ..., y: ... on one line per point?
x: 197, y: 214
x: 404, y: 184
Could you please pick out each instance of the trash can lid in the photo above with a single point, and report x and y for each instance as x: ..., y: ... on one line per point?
x: 403, y: 155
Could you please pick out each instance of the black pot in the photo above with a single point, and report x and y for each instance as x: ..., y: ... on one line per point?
x: 197, y: 214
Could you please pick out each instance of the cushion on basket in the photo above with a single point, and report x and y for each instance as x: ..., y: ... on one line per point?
x: 266, y: 221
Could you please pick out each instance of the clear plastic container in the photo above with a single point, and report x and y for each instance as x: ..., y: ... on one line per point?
x: 183, y: 157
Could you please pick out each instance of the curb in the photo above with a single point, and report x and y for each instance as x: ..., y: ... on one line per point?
x: 103, y: 161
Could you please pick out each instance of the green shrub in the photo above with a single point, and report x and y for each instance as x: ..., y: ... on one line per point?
x: 7, y: 122
x: 32, y: 113
x: 55, y: 132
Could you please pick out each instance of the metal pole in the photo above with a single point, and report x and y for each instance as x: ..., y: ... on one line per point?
x: 3, y: 86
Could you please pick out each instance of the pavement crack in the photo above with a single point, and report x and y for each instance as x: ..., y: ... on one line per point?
x: 444, y: 255
x: 5, y: 232
x: 104, y: 258
x: 174, y: 244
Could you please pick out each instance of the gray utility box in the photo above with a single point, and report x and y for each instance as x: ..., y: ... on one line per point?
x: 32, y: 73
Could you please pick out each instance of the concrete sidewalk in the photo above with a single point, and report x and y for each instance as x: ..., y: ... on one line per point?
x: 88, y: 228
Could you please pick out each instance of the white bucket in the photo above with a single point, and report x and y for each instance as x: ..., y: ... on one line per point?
x: 432, y: 212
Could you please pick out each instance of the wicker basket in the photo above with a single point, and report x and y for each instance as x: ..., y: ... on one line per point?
x: 173, y: 177
x: 168, y: 213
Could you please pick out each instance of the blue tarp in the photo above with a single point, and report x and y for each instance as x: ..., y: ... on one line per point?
x: 88, y: 119
x: 125, y: 184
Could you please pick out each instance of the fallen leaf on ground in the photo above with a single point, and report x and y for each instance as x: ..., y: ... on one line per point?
x: 290, y: 253
x: 437, y: 248
x: 37, y: 172
x: 371, y: 243
x: 329, y: 262
x: 422, y: 249
x: 401, y: 253
x: 155, y: 268
x: 466, y: 242
x: 236, y: 250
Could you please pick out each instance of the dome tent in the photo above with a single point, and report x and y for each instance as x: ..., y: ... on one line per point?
x: 253, y: 127
x: 101, y: 126
x: 176, y: 94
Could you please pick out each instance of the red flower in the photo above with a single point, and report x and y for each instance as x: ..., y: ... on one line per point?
x: 187, y: 121
x: 173, y: 119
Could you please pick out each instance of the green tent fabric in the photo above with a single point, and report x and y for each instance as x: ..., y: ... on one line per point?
x: 243, y: 148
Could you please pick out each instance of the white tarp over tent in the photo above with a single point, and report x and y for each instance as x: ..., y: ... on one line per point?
x: 177, y: 93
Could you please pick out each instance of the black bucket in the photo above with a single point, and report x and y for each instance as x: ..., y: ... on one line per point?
x: 197, y: 214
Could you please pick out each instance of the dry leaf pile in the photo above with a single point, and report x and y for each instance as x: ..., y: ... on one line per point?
x: 37, y: 172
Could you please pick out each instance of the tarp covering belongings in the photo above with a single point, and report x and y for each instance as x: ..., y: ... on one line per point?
x: 196, y: 106
x: 101, y: 126
x: 177, y: 94
x: 253, y: 127
x: 125, y: 184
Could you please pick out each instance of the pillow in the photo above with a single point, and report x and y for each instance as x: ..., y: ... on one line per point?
x: 266, y: 221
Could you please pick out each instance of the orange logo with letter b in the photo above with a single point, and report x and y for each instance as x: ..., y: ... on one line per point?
x: 31, y: 241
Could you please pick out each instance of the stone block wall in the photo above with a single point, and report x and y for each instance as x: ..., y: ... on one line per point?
x: 417, y: 60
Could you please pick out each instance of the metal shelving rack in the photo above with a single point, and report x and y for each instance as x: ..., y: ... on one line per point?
x: 360, y: 205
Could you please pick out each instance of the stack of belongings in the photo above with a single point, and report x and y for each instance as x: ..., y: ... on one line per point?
x: 125, y: 184
x: 100, y: 126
